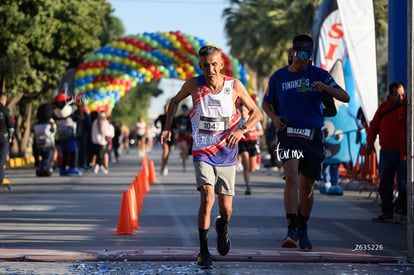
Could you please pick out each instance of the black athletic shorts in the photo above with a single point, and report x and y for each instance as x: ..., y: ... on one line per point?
x: 248, y: 146
x: 310, y: 152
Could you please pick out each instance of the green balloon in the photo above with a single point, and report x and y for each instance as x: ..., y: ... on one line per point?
x: 154, y: 44
x: 146, y: 39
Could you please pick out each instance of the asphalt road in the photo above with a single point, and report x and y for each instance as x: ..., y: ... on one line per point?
x: 67, y: 225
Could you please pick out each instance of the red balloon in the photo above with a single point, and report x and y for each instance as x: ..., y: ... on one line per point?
x: 151, y: 69
x: 82, y: 66
x: 89, y: 64
x: 141, y: 44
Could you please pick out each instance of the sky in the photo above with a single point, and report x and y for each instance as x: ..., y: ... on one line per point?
x: 200, y: 18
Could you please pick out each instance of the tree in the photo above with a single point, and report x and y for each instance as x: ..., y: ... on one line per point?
x: 40, y: 39
x: 135, y: 103
x: 381, y: 33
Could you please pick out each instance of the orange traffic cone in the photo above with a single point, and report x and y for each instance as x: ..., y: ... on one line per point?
x: 139, y: 192
x: 145, y: 161
x: 152, y: 179
x: 145, y: 166
x: 124, y: 221
x: 133, y: 206
x: 144, y: 181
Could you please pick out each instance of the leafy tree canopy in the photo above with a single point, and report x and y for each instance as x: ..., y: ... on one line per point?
x: 40, y: 39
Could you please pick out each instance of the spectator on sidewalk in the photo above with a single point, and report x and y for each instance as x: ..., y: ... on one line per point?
x: 389, y: 123
x: 44, y: 131
x: 101, y: 135
x: 66, y: 122
x: 83, y: 128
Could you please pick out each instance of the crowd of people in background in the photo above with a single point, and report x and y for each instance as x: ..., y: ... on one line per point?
x: 72, y: 141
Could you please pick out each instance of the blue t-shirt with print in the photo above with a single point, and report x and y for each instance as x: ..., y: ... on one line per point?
x: 297, y: 100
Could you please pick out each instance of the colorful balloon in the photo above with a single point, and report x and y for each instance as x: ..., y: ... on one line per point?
x: 105, y: 76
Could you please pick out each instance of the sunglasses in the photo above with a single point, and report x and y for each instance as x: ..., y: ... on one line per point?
x: 302, y: 54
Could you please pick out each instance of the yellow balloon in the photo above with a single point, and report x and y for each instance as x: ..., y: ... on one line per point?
x: 149, y: 75
x: 115, y: 44
x: 97, y: 85
x: 172, y: 38
x: 132, y: 63
x: 94, y: 105
x: 80, y: 74
x: 89, y: 72
x: 121, y: 45
x: 90, y: 87
x: 179, y: 70
x: 127, y: 62
x: 177, y: 45
x: 129, y: 47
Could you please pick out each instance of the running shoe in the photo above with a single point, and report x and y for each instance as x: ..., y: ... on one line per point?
x: 290, y: 240
x: 74, y: 172
x: 164, y: 171
x: 204, y: 260
x: 223, y: 240
x: 383, y: 218
x: 304, y: 242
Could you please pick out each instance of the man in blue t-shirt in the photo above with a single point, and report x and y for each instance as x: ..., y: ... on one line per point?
x: 294, y: 100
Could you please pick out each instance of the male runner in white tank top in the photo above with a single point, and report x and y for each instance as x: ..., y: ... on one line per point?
x: 216, y: 134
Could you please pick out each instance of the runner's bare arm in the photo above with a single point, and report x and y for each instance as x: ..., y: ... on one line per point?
x: 255, y: 115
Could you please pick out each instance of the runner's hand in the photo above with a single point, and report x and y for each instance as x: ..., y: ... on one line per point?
x: 165, y: 136
x: 234, y: 137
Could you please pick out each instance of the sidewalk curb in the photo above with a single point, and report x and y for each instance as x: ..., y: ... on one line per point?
x: 182, y: 254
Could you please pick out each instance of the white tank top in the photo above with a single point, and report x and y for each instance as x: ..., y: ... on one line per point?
x: 212, y: 120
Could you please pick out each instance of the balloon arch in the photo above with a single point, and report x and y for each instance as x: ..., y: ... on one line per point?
x: 111, y: 71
